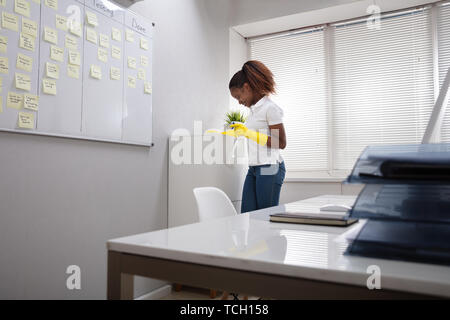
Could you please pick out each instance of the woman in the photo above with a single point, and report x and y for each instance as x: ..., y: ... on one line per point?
x: 264, y: 128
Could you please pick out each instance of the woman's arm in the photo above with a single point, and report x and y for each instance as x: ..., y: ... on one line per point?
x: 278, y: 134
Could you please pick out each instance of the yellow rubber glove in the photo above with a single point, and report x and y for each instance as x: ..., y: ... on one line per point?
x: 242, y: 130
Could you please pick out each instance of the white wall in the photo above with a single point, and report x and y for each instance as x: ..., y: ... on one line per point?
x: 238, y: 56
x: 61, y: 200
x: 246, y: 11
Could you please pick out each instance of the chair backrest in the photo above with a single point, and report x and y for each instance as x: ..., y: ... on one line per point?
x: 213, y: 203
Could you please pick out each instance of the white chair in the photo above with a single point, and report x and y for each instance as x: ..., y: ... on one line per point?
x: 213, y: 203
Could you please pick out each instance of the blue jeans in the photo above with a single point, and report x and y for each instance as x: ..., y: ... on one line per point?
x: 262, y: 187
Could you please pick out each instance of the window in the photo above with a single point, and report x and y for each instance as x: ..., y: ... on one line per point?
x: 298, y: 63
x: 347, y: 85
x: 383, y: 89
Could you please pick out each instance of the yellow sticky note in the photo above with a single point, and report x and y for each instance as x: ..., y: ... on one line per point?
x: 52, y: 4
x: 74, y: 58
x: 30, y: 101
x: 131, y: 62
x: 73, y: 71
x: 147, y: 88
x: 52, y: 70
x: 61, y: 22
x: 115, y: 73
x: 26, y: 42
x: 102, y: 55
x: 14, y: 100
x: 75, y: 27
x: 115, y: 52
x: 71, y: 42
x: 91, y: 35
x: 129, y: 35
x: 141, y: 74
x: 131, y: 82
x: 56, y: 53
x: 29, y: 27
x: 104, y: 40
x: 144, y: 43
x: 50, y: 35
x: 91, y: 18
x: 4, y: 65
x: 3, y: 44
x: 24, y: 62
x: 49, y: 86
x: 10, y: 21
x: 116, y: 34
x: 26, y: 120
x: 23, y: 81
x: 22, y: 7
x: 144, y: 61
x: 96, y: 72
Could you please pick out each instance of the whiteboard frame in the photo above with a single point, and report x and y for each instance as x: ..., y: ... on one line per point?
x: 87, y: 138
x: 44, y: 134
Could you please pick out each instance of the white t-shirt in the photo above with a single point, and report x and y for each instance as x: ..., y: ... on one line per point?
x: 262, y: 114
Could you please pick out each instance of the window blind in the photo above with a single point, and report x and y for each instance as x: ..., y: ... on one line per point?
x: 298, y: 64
x: 444, y: 59
x: 350, y: 86
x: 382, y: 87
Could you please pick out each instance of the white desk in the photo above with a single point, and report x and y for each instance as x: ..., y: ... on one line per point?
x: 249, y: 254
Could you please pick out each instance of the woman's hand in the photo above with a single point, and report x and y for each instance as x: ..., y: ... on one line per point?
x: 240, y: 129
x: 277, y: 137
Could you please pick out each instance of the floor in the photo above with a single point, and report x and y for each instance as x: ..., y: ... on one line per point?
x: 190, y: 293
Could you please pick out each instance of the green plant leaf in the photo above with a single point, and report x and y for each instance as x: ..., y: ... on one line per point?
x: 235, y: 116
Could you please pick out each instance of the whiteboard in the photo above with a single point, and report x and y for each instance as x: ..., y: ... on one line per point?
x: 136, y: 112
x: 84, y: 107
x: 61, y: 113
x: 103, y: 99
x: 9, y: 116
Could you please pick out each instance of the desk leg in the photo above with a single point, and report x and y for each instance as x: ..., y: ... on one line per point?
x: 120, y: 285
